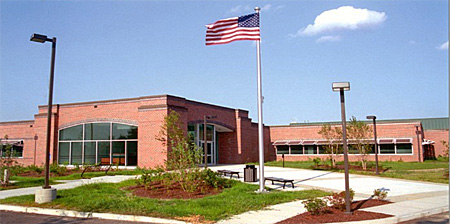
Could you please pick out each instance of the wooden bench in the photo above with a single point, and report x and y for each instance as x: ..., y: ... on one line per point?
x: 224, y: 172
x: 284, y: 181
x: 97, y: 167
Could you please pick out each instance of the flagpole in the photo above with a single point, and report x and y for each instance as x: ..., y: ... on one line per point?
x: 260, y: 118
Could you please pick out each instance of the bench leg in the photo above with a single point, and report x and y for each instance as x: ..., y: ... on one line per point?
x: 284, y: 185
x: 292, y: 185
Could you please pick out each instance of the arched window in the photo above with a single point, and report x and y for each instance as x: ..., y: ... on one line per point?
x: 93, y: 143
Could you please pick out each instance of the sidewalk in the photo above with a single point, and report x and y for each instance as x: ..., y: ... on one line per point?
x: 413, y: 199
x: 69, y: 184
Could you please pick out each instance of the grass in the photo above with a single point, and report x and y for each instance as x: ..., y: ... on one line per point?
x: 112, y: 198
x: 430, y: 170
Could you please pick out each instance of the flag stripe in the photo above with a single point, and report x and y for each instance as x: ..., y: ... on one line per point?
x: 238, y: 28
x: 231, y: 31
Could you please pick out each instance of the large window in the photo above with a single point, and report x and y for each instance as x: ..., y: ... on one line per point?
x: 104, y: 143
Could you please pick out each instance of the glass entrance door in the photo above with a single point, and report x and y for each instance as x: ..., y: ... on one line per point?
x: 211, y: 153
x: 210, y: 143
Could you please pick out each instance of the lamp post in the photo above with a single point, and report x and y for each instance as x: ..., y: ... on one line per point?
x: 419, y: 146
x: 341, y: 87
x: 42, y: 39
x: 35, y: 141
x: 373, y: 118
x: 205, y: 140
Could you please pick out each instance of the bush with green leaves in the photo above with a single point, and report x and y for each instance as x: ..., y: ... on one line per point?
x: 380, y: 194
x: 315, y: 206
x: 57, y: 169
x: 34, y: 168
x: 337, y: 200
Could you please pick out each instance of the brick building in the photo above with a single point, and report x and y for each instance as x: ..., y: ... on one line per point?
x: 124, y: 132
x: 397, y: 140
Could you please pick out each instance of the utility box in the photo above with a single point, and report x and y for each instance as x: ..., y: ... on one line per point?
x: 250, y: 173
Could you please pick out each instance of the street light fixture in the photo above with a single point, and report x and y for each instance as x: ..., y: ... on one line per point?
x: 205, y: 140
x: 39, y: 38
x: 373, y: 118
x: 341, y: 87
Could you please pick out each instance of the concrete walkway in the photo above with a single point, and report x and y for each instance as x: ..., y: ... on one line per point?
x: 413, y: 199
x: 69, y: 184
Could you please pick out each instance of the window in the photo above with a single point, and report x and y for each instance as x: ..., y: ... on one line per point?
x: 404, y: 149
x: 296, y: 149
x: 15, y: 150
x: 310, y: 149
x: 322, y: 149
x: 105, y: 143
x: 387, y: 149
x: 282, y: 149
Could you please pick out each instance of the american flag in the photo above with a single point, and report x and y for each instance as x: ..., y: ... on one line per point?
x: 237, y: 28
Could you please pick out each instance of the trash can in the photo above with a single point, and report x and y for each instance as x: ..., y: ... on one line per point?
x: 250, y: 173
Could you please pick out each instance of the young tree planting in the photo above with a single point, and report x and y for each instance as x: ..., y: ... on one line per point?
x: 360, y: 133
x: 182, y: 155
x: 333, y: 135
x: 6, y: 162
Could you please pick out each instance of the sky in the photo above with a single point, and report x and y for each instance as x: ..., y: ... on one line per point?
x: 393, y: 53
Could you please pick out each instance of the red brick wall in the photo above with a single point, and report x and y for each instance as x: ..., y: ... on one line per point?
x: 437, y: 136
x: 22, y: 130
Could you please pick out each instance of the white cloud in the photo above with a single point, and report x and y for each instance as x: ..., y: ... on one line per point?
x: 343, y: 18
x: 239, y: 9
x: 328, y: 39
x: 266, y: 7
x: 443, y: 46
x: 412, y: 42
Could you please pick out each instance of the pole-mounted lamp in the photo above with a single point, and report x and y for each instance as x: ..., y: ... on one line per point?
x: 373, y: 118
x: 341, y: 87
x: 42, y: 39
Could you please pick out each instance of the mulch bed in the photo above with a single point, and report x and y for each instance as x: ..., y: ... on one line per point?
x: 335, y: 215
x: 42, y: 174
x: 159, y: 190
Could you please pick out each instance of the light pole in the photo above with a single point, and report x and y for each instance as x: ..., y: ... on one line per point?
x: 42, y: 39
x: 373, y: 117
x: 35, y: 140
x: 205, y: 140
x: 419, y: 146
x: 341, y: 87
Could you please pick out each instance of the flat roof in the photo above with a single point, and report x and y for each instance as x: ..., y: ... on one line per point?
x: 438, y: 123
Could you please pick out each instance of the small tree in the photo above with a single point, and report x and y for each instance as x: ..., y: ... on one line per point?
x: 445, y: 144
x: 360, y: 133
x: 6, y: 162
x: 333, y: 147
x: 182, y: 155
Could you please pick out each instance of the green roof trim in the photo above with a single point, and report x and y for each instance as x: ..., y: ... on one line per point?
x: 439, y: 123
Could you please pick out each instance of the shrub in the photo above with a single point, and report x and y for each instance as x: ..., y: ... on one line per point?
x: 315, y: 206
x: 35, y: 168
x: 58, y: 170
x: 337, y: 200
x: 316, y: 161
x: 380, y: 194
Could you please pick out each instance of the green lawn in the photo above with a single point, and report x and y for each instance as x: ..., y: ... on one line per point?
x: 105, y: 197
x: 430, y: 170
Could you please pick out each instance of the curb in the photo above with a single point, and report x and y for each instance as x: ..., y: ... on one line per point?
x: 76, y: 214
x: 422, y: 214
